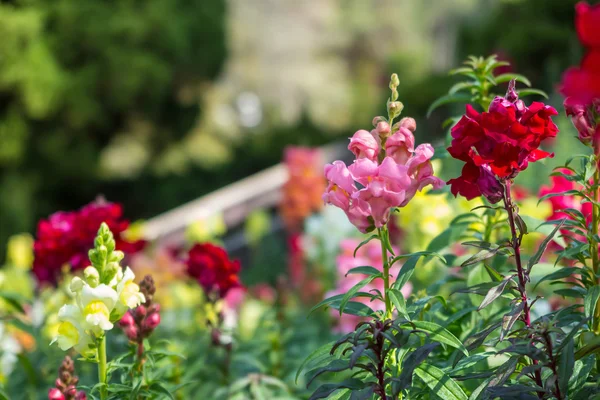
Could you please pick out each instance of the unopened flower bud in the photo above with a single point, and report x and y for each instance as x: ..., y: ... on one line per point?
x: 152, y: 321
x: 383, y: 129
x: 131, y: 332
x: 154, y: 308
x: 395, y: 108
x: 394, y: 81
x: 126, y: 320
x: 377, y: 120
x: 91, y: 275
x: 76, y: 284
x: 140, y: 312
x: 71, y: 391
x: 55, y: 394
x: 81, y: 396
x: 489, y: 185
x: 408, y: 123
x: 111, y: 270
x: 582, y: 121
x: 511, y: 93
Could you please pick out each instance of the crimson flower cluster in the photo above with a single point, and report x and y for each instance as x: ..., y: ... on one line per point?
x: 581, y: 85
x: 496, y: 145
x: 66, y: 383
x: 65, y: 238
x: 140, y: 322
x: 211, y: 267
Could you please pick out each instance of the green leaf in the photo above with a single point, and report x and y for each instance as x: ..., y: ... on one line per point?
x: 324, y: 391
x: 398, y: 300
x: 365, y: 269
x: 353, y: 290
x: 558, y: 275
x: 566, y: 363
x: 367, y: 240
x: 409, y: 265
x: 448, y: 99
x: 439, y: 334
x: 411, y: 362
x: 480, y: 256
x: 529, y: 92
x: 540, y: 251
x: 440, y: 383
x: 494, y: 293
x: 322, y: 352
x: 457, y: 87
x: 510, y: 76
x: 593, y: 347
x: 14, y: 299
x: 494, y: 275
x: 590, y: 301
x: 581, y: 371
x: 160, y: 389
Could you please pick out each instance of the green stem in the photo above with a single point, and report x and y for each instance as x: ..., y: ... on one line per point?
x: 102, y: 368
x: 386, y: 272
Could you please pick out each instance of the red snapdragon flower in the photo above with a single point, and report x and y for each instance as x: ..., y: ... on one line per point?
x: 65, y: 238
x: 499, y: 143
x: 211, y: 267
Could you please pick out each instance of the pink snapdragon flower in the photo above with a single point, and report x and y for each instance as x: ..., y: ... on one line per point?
x: 364, y: 145
x: 393, y: 182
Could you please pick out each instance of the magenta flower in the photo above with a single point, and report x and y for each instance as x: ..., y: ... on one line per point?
x: 400, y: 145
x: 385, y: 186
x: 340, y: 187
x: 364, y: 145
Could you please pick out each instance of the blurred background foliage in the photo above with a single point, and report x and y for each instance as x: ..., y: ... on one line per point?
x: 155, y: 103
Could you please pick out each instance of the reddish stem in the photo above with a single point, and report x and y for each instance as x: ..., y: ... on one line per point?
x: 521, y: 273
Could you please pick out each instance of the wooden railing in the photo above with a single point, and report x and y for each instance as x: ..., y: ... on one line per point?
x: 233, y: 202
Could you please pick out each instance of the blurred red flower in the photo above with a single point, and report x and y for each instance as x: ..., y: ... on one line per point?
x: 211, y: 267
x: 587, y: 23
x: 66, y: 237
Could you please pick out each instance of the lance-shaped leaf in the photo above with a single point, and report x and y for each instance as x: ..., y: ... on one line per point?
x: 509, y: 319
x: 367, y: 240
x: 354, y: 289
x: 335, y: 365
x: 538, y: 254
x: 439, y: 334
x: 447, y: 99
x: 398, y: 301
x: 411, y: 362
x: 409, y: 266
x: 529, y: 92
x: 480, y: 256
x: 319, y: 354
x: 440, y: 383
x: 566, y: 363
x: 581, y: 371
x: 365, y: 269
x: 559, y: 274
x: 590, y: 301
x: 592, y: 347
x: 324, y: 391
x: 510, y: 76
x: 495, y: 292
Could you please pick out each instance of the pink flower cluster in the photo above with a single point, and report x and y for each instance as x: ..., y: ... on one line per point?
x: 66, y: 383
x: 389, y: 170
x: 369, y: 254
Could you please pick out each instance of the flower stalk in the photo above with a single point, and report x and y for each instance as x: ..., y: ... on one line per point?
x: 386, y: 272
x: 102, y: 368
x: 521, y: 273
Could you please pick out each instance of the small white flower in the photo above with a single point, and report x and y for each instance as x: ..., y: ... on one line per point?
x: 97, y: 304
x: 129, y: 293
x: 71, y: 331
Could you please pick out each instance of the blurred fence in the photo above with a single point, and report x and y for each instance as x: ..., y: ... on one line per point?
x: 233, y: 202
